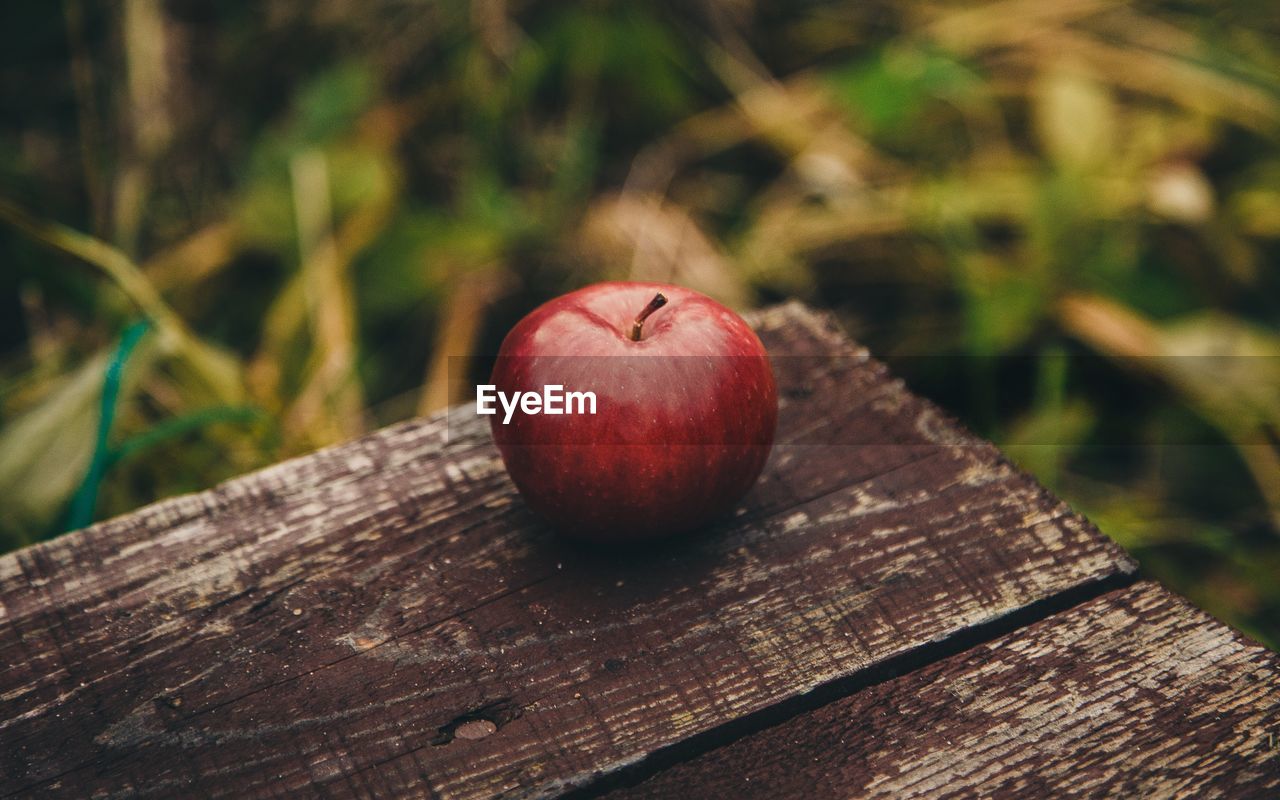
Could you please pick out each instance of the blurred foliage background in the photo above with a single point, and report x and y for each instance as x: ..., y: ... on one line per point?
x: 235, y: 232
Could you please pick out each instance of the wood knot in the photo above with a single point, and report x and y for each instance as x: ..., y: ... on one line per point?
x: 475, y: 729
x: 478, y: 723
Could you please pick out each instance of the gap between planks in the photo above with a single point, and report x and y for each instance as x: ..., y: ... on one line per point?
x: 833, y: 691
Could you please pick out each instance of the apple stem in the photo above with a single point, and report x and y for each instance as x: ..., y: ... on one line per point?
x: 659, y: 300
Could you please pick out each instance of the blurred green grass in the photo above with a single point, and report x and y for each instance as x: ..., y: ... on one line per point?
x: 1060, y: 220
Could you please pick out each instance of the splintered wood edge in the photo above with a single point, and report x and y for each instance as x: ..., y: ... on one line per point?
x: 1134, y: 693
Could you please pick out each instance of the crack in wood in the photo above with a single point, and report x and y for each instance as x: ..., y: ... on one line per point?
x: 836, y: 690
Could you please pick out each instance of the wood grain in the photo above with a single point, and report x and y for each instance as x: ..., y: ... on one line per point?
x: 1134, y: 694
x: 386, y: 618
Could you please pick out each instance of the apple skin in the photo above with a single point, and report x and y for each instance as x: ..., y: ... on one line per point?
x: 684, y: 421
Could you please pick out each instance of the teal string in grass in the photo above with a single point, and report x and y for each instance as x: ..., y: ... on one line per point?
x: 86, y: 497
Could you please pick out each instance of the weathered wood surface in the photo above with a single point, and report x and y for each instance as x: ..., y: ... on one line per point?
x: 1133, y: 694
x: 386, y: 618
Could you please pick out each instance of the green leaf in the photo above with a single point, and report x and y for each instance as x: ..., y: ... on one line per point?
x: 330, y: 105
x: 891, y: 90
x: 45, y: 452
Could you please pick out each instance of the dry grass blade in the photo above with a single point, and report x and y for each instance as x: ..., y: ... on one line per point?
x: 1173, y: 76
x: 218, y: 371
x: 1229, y: 374
x: 456, y: 336
x: 1004, y: 23
x: 195, y: 259
x: 659, y: 242
x: 329, y: 406
x: 146, y: 50
x: 111, y: 260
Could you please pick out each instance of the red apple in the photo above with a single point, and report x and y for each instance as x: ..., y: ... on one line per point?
x: 685, y: 410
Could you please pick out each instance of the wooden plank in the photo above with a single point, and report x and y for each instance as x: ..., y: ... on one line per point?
x: 1133, y: 694
x: 387, y: 618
